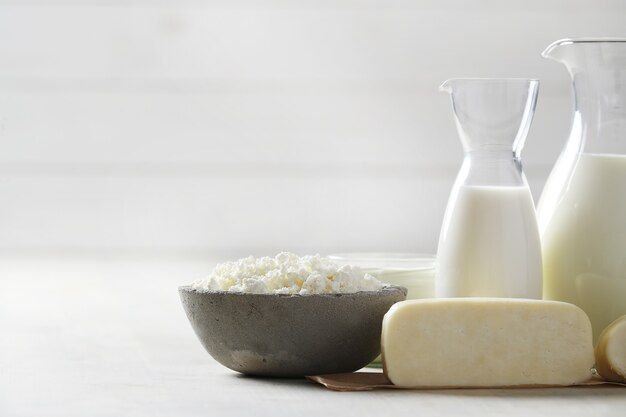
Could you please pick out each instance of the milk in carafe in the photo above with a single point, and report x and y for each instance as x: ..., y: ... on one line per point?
x: 490, y: 246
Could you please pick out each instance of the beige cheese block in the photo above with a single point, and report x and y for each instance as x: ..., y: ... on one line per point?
x: 611, y: 351
x: 484, y: 342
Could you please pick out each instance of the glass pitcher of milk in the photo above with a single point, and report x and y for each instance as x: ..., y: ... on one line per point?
x: 489, y: 242
x: 582, y: 210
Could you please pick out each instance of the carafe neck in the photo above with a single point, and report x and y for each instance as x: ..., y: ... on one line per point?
x: 492, y: 113
x: 491, y: 154
x: 491, y: 167
x: 492, y: 118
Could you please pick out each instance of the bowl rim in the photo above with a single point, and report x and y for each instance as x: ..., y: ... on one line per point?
x: 388, y: 288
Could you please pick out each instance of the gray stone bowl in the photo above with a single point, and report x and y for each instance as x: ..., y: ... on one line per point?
x: 290, y: 335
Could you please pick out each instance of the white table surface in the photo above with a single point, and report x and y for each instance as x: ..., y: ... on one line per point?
x: 108, y: 337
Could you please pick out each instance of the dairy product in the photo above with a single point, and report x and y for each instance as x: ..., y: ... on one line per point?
x: 611, y: 351
x: 480, y: 342
x: 415, y: 272
x: 287, y: 274
x: 584, y: 239
x: 419, y: 282
x: 489, y: 246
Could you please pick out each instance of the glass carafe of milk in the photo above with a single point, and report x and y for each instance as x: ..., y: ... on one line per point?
x: 582, y: 210
x: 489, y: 243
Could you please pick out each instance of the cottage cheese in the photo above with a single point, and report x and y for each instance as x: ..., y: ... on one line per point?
x: 287, y: 274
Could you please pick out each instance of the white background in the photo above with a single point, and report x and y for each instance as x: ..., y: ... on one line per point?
x: 225, y: 128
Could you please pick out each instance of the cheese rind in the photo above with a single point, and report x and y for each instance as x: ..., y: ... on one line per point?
x: 611, y: 351
x: 485, y: 342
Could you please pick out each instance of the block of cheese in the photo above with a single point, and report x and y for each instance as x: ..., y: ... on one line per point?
x: 486, y: 342
x: 611, y: 351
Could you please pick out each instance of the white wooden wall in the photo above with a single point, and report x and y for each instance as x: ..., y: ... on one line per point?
x: 222, y: 128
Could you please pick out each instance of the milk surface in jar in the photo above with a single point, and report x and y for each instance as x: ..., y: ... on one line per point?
x: 490, y: 244
x: 584, y: 241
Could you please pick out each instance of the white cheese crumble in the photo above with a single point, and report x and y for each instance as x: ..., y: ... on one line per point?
x: 287, y: 274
